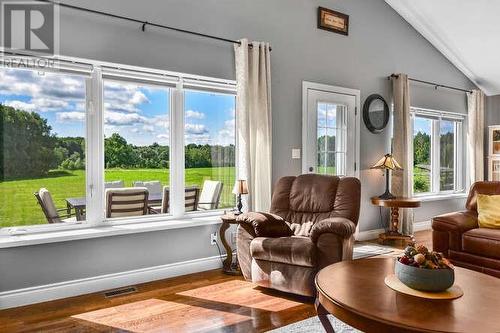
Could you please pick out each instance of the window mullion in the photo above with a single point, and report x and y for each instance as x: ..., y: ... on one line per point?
x: 95, y: 149
x: 436, y: 161
x: 459, y: 157
x: 177, y: 165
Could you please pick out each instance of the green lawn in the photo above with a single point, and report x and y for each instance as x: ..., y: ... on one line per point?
x: 19, y: 206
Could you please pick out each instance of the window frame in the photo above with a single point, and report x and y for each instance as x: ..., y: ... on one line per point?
x: 460, y: 151
x: 97, y: 72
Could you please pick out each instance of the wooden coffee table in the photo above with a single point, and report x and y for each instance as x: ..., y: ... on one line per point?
x: 355, y: 292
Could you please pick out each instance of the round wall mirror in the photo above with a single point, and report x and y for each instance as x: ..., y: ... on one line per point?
x: 375, y: 113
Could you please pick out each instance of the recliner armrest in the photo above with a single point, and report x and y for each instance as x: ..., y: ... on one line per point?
x: 455, y: 222
x: 259, y: 224
x: 336, y: 225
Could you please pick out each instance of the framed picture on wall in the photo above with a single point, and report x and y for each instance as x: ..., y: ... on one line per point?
x: 333, y: 21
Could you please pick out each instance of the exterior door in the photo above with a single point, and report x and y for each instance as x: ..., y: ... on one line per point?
x: 330, y: 130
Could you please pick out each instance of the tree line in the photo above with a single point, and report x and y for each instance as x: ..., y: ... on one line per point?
x: 28, y: 148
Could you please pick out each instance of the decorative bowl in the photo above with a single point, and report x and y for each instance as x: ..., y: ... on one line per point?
x: 424, y: 279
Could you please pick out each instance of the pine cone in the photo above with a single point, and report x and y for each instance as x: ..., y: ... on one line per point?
x: 422, y: 249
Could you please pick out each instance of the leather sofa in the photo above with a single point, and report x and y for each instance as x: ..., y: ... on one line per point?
x: 322, y: 213
x: 458, y: 236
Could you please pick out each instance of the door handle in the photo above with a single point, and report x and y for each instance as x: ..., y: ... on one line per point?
x: 311, y: 169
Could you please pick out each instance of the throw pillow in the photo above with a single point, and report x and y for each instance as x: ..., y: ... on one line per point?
x: 488, y: 208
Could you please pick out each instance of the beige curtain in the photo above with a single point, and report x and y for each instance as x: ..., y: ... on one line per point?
x: 402, y: 182
x: 475, y: 135
x: 253, y: 115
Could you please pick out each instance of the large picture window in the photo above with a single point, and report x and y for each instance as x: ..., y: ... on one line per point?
x: 96, y: 144
x: 438, y: 152
x: 43, y: 134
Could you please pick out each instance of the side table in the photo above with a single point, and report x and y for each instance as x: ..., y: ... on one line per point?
x: 227, y: 266
x: 394, y: 205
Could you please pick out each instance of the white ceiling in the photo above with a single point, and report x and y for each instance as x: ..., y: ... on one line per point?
x: 467, y: 32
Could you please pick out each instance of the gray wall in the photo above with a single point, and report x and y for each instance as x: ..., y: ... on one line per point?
x: 380, y: 42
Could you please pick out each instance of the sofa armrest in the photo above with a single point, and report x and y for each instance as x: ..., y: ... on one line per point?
x: 339, y: 226
x: 260, y: 224
x: 447, y: 230
x: 455, y: 222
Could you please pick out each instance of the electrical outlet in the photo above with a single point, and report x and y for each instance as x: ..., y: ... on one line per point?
x: 213, y: 238
x: 295, y: 153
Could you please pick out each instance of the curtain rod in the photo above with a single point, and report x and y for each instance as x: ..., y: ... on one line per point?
x: 144, y: 23
x: 436, y: 85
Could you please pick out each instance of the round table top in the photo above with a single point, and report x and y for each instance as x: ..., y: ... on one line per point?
x: 399, y: 202
x: 355, y: 292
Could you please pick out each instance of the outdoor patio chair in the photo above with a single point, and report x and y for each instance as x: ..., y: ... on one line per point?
x: 128, y: 201
x: 114, y: 184
x: 210, y: 195
x: 191, y: 195
x: 154, y: 186
x: 52, y: 214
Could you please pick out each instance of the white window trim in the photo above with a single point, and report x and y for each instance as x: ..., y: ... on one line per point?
x: 460, y: 177
x: 89, y: 231
x: 95, y: 149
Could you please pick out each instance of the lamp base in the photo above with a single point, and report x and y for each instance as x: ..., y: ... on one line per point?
x: 387, y: 195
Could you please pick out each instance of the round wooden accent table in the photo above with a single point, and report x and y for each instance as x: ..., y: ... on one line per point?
x: 355, y: 292
x: 395, y: 204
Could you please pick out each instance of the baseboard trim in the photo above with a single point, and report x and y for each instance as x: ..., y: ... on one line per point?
x: 369, y: 235
x: 373, y: 234
x: 49, y: 292
x: 420, y: 226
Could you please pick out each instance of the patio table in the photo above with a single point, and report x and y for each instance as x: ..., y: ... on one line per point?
x: 79, y: 204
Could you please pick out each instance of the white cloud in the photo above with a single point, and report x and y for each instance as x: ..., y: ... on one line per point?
x: 194, y: 114
x: 34, y: 85
x: 21, y: 105
x: 139, y: 98
x: 148, y: 128
x: 124, y: 97
x: 162, y: 136
x: 195, y: 129
x: 123, y: 119
x: 70, y: 116
x: 226, y: 135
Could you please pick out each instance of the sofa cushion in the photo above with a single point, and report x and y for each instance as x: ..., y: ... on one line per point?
x: 482, y: 241
x: 299, y: 251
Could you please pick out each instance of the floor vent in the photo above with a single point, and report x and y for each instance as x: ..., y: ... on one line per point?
x: 120, y: 292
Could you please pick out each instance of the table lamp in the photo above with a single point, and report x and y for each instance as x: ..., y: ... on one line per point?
x: 240, y: 187
x: 388, y: 163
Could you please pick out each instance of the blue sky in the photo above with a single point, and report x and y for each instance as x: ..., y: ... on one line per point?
x: 425, y: 126
x: 137, y: 112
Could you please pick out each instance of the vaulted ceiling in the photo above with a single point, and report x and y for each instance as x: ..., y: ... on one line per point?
x: 467, y: 32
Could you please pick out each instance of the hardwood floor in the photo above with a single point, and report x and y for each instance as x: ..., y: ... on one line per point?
x: 203, y: 302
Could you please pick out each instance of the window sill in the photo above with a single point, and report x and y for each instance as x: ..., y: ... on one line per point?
x: 439, y: 197
x: 9, y: 241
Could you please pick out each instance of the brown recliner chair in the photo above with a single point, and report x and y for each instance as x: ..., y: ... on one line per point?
x: 321, y: 214
x: 458, y: 236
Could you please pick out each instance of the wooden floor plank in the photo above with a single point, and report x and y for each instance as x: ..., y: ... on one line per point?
x: 203, y: 302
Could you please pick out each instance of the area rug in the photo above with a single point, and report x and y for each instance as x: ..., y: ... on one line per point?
x: 370, y: 250
x: 313, y: 325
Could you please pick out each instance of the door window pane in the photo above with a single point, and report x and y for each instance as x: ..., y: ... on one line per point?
x: 137, y: 142
x: 422, y: 163
x: 43, y: 147
x: 209, y: 150
x: 447, y: 155
x: 331, y: 139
